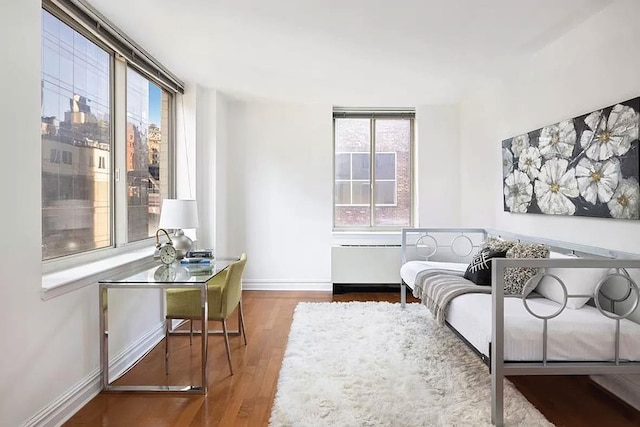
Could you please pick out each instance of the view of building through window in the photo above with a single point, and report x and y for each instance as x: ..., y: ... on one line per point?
x: 384, y: 143
x: 76, y: 141
x: 79, y: 143
x: 147, y: 154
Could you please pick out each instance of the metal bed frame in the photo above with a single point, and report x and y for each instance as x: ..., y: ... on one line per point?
x: 590, y: 257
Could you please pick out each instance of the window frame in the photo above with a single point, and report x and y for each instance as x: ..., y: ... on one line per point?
x: 118, y: 106
x: 373, y: 115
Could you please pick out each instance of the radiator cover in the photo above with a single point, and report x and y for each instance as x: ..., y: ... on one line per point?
x: 365, y: 264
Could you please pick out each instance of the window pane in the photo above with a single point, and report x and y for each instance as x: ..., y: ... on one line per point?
x: 147, y: 154
x: 361, y: 191
x: 75, y: 131
x: 393, y: 139
x: 353, y: 139
x: 385, y: 166
x: 360, y: 165
x: 343, y: 166
x: 343, y: 193
x: 385, y: 192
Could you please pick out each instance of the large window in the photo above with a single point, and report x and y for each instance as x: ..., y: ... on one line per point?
x: 372, y: 165
x: 86, y: 93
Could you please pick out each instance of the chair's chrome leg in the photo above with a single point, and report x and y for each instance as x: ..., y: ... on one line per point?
x: 226, y: 343
x: 241, y: 322
x: 166, y: 345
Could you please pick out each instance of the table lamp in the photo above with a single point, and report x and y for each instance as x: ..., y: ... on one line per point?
x: 178, y: 214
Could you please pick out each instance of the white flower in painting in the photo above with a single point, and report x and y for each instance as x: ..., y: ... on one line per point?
x: 530, y: 161
x: 608, y: 137
x: 519, y: 143
x: 557, y: 140
x: 598, y: 180
x: 517, y: 191
x: 624, y: 202
x: 554, y: 186
x: 507, y: 161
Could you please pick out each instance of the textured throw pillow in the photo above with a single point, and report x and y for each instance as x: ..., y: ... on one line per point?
x: 479, y: 271
x: 578, y: 281
x: 497, y: 244
x: 516, y: 277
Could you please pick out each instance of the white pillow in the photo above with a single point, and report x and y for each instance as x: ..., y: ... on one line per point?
x: 578, y: 281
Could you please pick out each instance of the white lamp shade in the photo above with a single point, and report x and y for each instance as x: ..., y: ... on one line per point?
x: 178, y: 213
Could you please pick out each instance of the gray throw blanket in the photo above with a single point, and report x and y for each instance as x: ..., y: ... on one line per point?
x: 437, y: 287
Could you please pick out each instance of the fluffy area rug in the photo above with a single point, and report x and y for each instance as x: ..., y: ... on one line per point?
x: 375, y: 364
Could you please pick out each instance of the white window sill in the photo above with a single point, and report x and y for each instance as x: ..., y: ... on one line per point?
x: 70, y: 279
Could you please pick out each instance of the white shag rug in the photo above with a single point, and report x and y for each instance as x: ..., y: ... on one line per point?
x: 375, y: 364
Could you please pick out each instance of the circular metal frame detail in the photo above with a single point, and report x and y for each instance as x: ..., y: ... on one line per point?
x: 458, y: 237
x: 625, y: 273
x: 537, y: 279
x: 632, y: 285
x: 421, y: 244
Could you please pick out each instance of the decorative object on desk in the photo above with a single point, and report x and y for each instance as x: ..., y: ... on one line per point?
x: 197, y: 266
x: 179, y: 214
x: 166, y: 251
x: 202, y: 261
x: 200, y: 253
x: 585, y: 166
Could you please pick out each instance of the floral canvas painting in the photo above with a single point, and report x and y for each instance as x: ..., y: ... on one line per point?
x: 586, y: 166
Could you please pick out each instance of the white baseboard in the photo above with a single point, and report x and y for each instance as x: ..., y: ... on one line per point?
x: 287, y: 285
x: 67, y: 404
x: 61, y: 409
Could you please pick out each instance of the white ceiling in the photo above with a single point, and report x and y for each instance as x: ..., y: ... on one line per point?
x: 346, y: 52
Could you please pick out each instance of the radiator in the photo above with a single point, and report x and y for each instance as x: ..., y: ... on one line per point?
x: 365, y: 264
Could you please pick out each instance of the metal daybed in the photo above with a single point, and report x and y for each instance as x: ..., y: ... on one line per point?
x: 543, y: 337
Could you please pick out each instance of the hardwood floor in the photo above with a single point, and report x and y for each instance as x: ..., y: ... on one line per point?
x: 245, y: 398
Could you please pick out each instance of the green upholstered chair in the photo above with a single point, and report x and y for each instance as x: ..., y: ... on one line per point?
x: 224, y: 294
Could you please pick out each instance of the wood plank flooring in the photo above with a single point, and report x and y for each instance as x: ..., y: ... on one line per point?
x: 245, y: 398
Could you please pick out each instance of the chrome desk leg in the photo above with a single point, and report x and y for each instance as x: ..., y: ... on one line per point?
x: 403, y: 294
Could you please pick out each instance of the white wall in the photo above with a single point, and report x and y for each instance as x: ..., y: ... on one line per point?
x: 280, y: 192
x: 212, y: 170
x: 221, y: 233
x: 206, y: 145
x: 437, y: 170
x: 593, y: 66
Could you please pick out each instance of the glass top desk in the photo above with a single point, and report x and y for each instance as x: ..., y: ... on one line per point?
x: 158, y: 277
